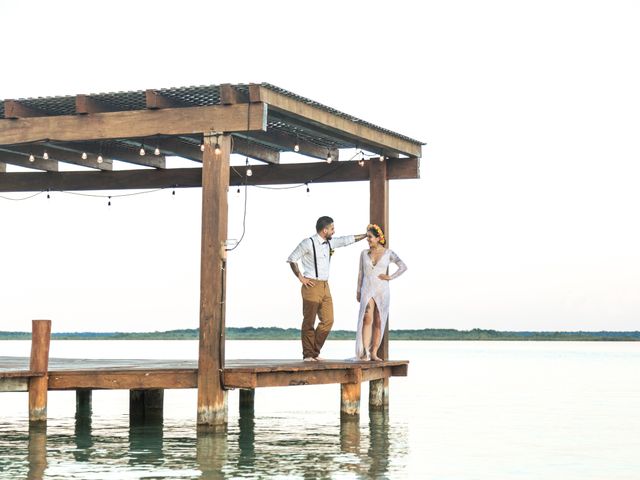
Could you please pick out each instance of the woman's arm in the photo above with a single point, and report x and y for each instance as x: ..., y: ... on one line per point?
x: 360, y: 275
x: 402, y: 267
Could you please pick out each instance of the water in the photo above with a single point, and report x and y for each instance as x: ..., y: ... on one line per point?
x: 467, y: 410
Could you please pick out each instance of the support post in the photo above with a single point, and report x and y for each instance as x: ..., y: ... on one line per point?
x: 349, y: 400
x: 247, y: 400
x: 212, y: 398
x: 379, y: 214
x: 83, y: 403
x: 145, y: 405
x: 39, y: 363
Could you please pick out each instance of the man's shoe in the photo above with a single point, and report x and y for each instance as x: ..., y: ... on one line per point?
x: 319, y: 359
x: 309, y: 359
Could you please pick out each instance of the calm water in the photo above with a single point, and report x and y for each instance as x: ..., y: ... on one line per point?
x: 468, y: 410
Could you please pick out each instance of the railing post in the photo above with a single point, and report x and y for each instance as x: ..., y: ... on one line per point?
x: 39, y: 363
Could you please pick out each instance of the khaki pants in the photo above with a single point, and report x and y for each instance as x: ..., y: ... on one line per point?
x: 316, y: 300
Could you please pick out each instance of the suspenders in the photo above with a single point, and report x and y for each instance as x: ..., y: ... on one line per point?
x: 315, y: 257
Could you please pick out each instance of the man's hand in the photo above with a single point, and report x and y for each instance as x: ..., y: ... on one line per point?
x: 383, y: 276
x: 360, y: 237
x: 358, y: 297
x: 307, y: 282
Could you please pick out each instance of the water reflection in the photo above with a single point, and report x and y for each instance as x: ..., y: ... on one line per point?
x: 145, y: 441
x: 211, y: 453
x: 37, y: 451
x: 379, y: 442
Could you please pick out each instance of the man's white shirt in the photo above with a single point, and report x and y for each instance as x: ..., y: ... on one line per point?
x: 304, y: 252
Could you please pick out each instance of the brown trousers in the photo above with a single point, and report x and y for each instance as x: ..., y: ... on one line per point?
x: 316, y: 300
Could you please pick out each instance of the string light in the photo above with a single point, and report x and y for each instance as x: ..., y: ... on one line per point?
x: 156, y: 152
x: 238, y: 191
x: 296, y: 147
x: 202, y: 147
x: 307, y: 187
x: 381, y: 158
x: 142, y: 150
x: 109, y: 203
x: 84, y: 155
x: 249, y: 171
x: 32, y: 158
x: 329, y: 158
x: 100, y: 159
x: 361, y: 162
x: 45, y: 155
x: 217, y: 150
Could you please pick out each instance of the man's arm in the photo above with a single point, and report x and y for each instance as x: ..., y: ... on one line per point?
x: 338, y: 242
x: 296, y: 271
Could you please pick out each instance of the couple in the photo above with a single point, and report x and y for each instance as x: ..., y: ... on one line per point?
x: 372, y: 291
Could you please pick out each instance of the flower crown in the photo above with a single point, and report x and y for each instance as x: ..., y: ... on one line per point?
x: 373, y: 226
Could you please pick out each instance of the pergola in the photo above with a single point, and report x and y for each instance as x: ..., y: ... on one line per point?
x: 203, y: 124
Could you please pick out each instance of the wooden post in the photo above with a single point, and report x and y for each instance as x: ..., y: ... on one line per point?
x: 39, y: 363
x: 212, y: 398
x: 145, y: 405
x: 349, y: 400
x: 83, y: 403
x: 247, y: 399
x: 379, y: 214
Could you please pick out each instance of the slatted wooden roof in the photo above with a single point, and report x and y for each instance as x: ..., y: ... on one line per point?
x: 95, y: 130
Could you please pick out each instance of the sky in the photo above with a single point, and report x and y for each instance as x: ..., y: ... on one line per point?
x: 525, y: 216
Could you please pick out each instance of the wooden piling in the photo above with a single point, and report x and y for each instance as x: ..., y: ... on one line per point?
x: 247, y: 400
x: 39, y: 363
x: 212, y: 398
x: 83, y: 403
x: 349, y: 399
x: 379, y: 214
x: 145, y: 405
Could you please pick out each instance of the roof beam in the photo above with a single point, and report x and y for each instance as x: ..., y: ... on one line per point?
x: 3, y: 167
x: 284, y: 141
x: 87, y: 104
x: 155, y: 100
x: 320, y: 172
x: 358, y: 133
x: 229, y: 95
x: 135, y: 124
x: 115, y: 152
x: 62, y: 155
x: 21, y: 160
x: 15, y: 109
x: 242, y: 146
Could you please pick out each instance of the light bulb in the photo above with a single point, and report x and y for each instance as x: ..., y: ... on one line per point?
x: 329, y: 158
x: 84, y: 155
x: 217, y: 149
x: 249, y: 172
x: 381, y: 158
x: 156, y: 151
x: 32, y: 158
x: 45, y: 155
x: 100, y: 159
x: 296, y: 147
x: 202, y: 147
x: 142, y: 151
x: 361, y: 162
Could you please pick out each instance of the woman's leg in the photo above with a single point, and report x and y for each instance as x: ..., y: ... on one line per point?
x: 367, y: 321
x: 376, y: 332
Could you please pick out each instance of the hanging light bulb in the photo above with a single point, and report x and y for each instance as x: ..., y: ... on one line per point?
x: 238, y: 191
x: 100, y: 159
x: 156, y: 152
x: 307, y: 187
x: 361, y: 162
x: 249, y: 172
x: 217, y: 149
x: 296, y: 147
x: 84, y: 155
x: 202, y: 147
x: 329, y: 158
x: 109, y: 204
x: 381, y: 158
x: 32, y: 158
x: 142, y: 151
x: 45, y: 155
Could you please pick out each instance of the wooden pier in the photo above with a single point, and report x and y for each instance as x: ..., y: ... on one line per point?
x: 204, y: 124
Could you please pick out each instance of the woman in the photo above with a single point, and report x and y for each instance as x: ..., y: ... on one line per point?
x: 373, y: 293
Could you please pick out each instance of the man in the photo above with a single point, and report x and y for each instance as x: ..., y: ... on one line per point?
x: 315, y: 253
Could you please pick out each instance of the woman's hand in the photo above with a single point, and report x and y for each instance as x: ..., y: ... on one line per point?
x: 384, y: 276
x: 358, y: 297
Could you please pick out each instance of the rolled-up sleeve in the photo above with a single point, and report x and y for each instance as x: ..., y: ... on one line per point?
x: 337, y: 242
x: 297, y: 254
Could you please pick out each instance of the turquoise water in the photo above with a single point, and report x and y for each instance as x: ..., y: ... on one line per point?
x: 467, y: 410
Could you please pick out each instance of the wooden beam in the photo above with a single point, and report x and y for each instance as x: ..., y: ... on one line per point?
x: 155, y: 100
x: 113, y: 151
x: 320, y: 172
x: 15, y: 109
x: 360, y: 134
x: 212, y: 398
x: 242, y: 146
x: 3, y: 167
x: 122, y: 379
x: 284, y: 141
x: 22, y: 160
x: 39, y: 363
x: 229, y: 95
x: 63, y: 155
x: 87, y: 104
x: 135, y: 124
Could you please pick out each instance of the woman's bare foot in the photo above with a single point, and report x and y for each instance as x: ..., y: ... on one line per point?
x: 375, y: 358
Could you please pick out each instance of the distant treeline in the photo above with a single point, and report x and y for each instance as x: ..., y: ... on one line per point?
x: 275, y: 333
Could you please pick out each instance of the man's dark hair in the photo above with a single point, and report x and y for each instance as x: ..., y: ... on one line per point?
x: 323, y: 222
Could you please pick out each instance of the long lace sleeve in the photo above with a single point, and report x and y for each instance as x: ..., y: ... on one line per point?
x: 360, y: 274
x: 402, y: 267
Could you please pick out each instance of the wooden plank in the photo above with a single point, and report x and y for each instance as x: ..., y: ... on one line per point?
x: 15, y: 109
x: 291, y: 378
x: 87, y: 104
x: 229, y: 95
x: 135, y: 124
x: 284, y: 141
x: 212, y: 408
x: 22, y: 160
x: 300, y: 173
x: 39, y: 363
x: 110, y: 152
x: 122, y: 380
x: 361, y: 134
x: 3, y: 167
x: 57, y: 154
x: 254, y: 150
x: 155, y: 100
x: 18, y: 384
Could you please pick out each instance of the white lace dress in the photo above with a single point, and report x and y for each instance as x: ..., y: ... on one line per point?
x: 370, y: 286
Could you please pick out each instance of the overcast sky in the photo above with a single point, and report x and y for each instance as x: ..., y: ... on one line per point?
x: 525, y: 218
